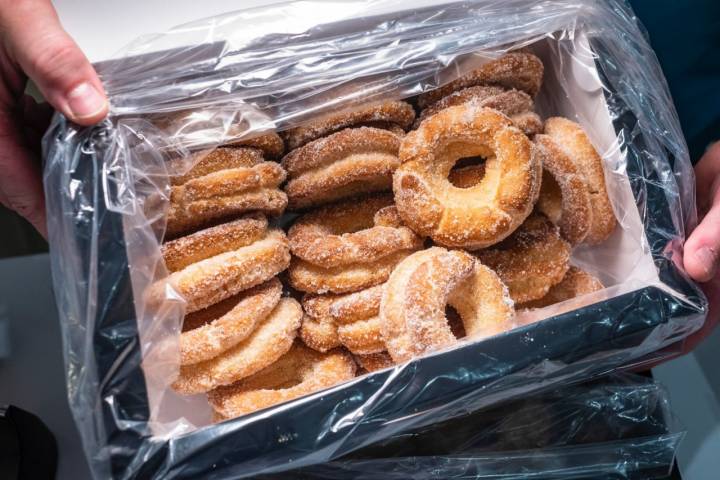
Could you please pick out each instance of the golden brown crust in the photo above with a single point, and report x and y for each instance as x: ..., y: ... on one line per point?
x: 301, y: 371
x: 310, y: 278
x: 268, y: 342
x: 531, y: 260
x: 474, y: 217
x: 225, y: 324
x: 344, y: 308
x: 319, y: 333
x: 385, y: 115
x: 517, y: 105
x: 344, y: 233
x: 412, y: 309
x: 347, y: 163
x: 214, y: 279
x: 518, y: 70
x: 375, y: 361
x: 576, y: 282
x: 362, y: 337
x: 270, y: 144
x: 573, y: 140
x: 564, y: 195
x: 209, y: 161
x: 184, y: 251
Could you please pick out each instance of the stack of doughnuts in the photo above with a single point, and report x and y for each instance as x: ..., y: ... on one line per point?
x: 404, y: 242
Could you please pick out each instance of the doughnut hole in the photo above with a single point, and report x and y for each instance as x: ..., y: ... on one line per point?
x: 208, y: 315
x: 550, y: 201
x: 455, y: 322
x: 467, y: 172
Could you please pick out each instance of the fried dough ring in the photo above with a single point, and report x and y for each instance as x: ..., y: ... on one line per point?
x: 184, y: 251
x: 344, y: 233
x: 210, y: 161
x: 347, y: 163
x: 572, y: 139
x: 320, y: 334
x: 375, y: 361
x: 383, y: 115
x: 346, y: 308
x: 299, y: 372
x: 518, y: 70
x: 474, y: 217
x: 531, y: 260
x: 576, y: 282
x: 310, y: 278
x: 209, y: 332
x: 224, y: 193
x: 268, y: 342
x: 217, y: 278
x: 270, y: 144
x: 564, y: 195
x: 413, y: 304
x: 350, y: 319
x: 517, y: 105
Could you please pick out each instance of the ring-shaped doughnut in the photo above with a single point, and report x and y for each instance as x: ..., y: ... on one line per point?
x: 320, y: 334
x: 564, y: 194
x: 518, y: 70
x: 265, y: 345
x: 184, y: 251
x: 483, y: 214
x: 345, y: 308
x: 345, y: 233
x: 531, y: 260
x: 375, y: 361
x: 270, y: 144
x: 209, y: 332
x: 517, y: 105
x: 576, y: 282
x: 415, y: 297
x: 222, y: 276
x: 572, y: 139
x: 299, y: 372
x: 306, y: 277
x: 384, y: 115
x: 345, y: 164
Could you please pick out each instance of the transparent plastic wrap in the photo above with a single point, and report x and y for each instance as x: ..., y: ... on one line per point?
x: 276, y: 68
x: 618, y: 427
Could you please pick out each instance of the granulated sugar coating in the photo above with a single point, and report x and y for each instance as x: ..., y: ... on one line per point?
x: 345, y: 308
x: 388, y: 114
x: 320, y: 333
x: 345, y: 233
x: 214, y: 279
x: 412, y: 309
x: 517, y: 105
x: 531, y: 260
x: 218, y: 328
x: 576, y: 282
x: 299, y: 372
x: 347, y: 163
x: 518, y: 70
x: 473, y: 217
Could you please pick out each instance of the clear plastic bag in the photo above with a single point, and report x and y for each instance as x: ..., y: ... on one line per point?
x: 274, y: 68
x: 617, y: 427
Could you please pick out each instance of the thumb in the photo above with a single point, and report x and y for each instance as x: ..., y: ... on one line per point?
x: 702, y: 249
x: 47, y: 54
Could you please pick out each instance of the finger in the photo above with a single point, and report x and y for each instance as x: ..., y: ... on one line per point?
x: 20, y: 182
x: 702, y: 248
x: 52, y: 60
x: 707, y: 173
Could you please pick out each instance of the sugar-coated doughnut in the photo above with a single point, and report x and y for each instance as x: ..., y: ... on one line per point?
x: 474, y: 217
x: 301, y: 371
x: 576, y: 282
x: 375, y: 361
x: 414, y: 300
x: 268, y: 342
x: 531, y: 260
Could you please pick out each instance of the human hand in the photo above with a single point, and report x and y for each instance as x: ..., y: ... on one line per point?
x: 702, y: 249
x: 34, y: 45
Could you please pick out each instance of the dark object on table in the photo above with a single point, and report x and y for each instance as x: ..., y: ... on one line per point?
x: 27, y: 448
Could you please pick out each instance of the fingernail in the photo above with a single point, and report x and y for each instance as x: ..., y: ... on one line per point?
x: 85, y: 101
x: 708, y: 259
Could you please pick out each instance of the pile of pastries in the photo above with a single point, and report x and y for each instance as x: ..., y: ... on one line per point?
x: 415, y: 225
